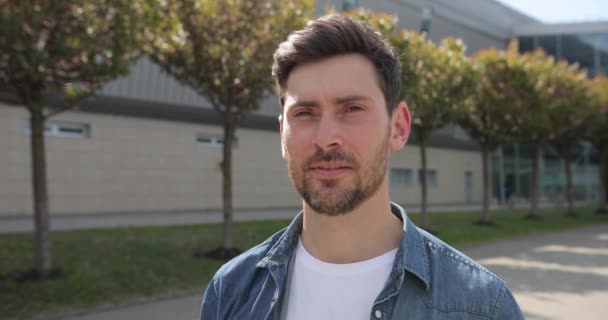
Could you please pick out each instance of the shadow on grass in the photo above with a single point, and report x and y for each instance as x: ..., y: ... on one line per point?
x: 219, y: 253
x: 32, y: 275
x: 485, y: 223
x: 533, y: 217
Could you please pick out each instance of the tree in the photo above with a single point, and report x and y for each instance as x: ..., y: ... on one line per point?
x: 535, y: 126
x: 223, y: 50
x: 570, y: 116
x: 598, y: 135
x: 383, y: 22
x: 502, y: 89
x: 437, y: 83
x: 62, y: 47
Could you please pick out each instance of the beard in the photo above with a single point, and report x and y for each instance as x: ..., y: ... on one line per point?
x: 326, y: 196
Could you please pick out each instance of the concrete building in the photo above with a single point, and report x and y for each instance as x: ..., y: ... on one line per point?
x: 147, y: 143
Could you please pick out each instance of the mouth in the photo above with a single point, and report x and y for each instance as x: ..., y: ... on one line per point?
x: 330, y: 170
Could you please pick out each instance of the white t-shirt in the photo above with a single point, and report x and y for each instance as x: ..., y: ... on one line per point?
x: 321, y: 290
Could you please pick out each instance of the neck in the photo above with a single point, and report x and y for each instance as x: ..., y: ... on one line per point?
x: 364, y: 233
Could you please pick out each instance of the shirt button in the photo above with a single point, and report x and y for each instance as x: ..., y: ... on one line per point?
x: 378, y: 314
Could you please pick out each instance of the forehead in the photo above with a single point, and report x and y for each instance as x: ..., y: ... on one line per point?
x: 344, y: 75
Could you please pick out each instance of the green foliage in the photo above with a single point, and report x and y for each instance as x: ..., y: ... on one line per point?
x: 503, y: 89
x: 117, y: 265
x: 437, y: 81
x: 223, y: 49
x: 599, y: 123
x: 73, y: 45
x: 556, y: 87
x: 148, y: 261
x: 385, y: 23
x: 564, y: 95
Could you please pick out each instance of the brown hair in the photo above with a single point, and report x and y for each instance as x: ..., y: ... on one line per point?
x: 333, y: 35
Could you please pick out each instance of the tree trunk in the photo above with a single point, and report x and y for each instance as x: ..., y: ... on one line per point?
x: 227, y: 177
x: 485, y: 209
x: 603, y: 192
x: 569, y: 188
x: 534, y: 183
x: 426, y: 221
x: 39, y: 186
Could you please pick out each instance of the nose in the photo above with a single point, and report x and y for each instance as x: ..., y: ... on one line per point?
x: 327, y: 135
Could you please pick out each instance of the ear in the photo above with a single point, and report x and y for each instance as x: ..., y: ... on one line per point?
x: 401, y: 122
x: 280, y: 118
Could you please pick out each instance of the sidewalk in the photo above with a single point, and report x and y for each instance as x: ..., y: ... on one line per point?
x: 25, y: 223
x: 556, y: 276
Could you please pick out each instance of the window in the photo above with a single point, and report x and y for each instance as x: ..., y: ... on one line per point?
x: 214, y: 141
x: 63, y: 129
x: 549, y: 44
x: 526, y: 44
x: 431, y: 178
x: 349, y: 4
x: 401, y: 177
x: 578, y: 49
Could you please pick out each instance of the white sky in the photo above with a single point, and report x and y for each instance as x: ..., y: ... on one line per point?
x: 556, y: 11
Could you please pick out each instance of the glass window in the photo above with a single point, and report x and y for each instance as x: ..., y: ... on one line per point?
x: 63, y: 129
x: 578, y: 49
x: 602, y: 45
x: 526, y: 44
x: 349, y: 4
x: 431, y: 178
x: 549, y: 44
x: 401, y: 177
x: 214, y: 141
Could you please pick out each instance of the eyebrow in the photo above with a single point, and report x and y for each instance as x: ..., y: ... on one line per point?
x: 340, y: 100
x: 351, y: 98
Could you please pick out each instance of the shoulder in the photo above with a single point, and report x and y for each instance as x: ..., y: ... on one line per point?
x: 238, y: 275
x: 458, y: 283
x: 460, y: 265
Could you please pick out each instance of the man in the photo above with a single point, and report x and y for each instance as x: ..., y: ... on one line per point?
x: 350, y: 253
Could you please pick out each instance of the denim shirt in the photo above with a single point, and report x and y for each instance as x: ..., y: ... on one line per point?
x: 429, y: 280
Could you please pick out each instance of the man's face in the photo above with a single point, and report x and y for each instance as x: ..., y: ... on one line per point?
x: 336, y: 133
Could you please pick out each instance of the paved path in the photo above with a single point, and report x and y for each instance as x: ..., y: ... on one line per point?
x: 25, y: 223
x: 554, y: 276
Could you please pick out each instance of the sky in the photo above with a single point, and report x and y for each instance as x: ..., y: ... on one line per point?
x: 562, y: 11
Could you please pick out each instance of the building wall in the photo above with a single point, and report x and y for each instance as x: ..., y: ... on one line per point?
x: 136, y: 164
x: 450, y: 166
x: 140, y: 165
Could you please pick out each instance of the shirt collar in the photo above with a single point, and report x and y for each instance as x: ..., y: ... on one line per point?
x: 411, y: 254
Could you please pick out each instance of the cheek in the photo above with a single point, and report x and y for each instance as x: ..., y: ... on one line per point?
x: 291, y: 144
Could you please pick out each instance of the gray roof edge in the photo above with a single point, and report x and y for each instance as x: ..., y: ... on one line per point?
x: 163, y: 111
x: 120, y: 106
x: 480, y: 23
x: 562, y: 28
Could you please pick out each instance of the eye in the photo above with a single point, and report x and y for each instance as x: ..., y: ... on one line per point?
x: 302, y: 113
x: 353, y: 108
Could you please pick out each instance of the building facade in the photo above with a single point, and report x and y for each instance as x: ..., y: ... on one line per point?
x: 587, y: 45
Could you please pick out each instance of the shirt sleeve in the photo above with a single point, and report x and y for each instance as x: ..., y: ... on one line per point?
x: 508, y: 309
x: 209, y: 307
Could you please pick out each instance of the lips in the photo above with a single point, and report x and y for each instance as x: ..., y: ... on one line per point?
x: 330, y: 166
x: 330, y: 170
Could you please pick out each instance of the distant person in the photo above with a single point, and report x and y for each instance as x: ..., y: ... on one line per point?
x: 508, y: 191
x: 508, y: 195
x: 350, y: 253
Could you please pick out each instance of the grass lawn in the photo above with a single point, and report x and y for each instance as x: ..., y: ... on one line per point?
x: 115, y: 265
